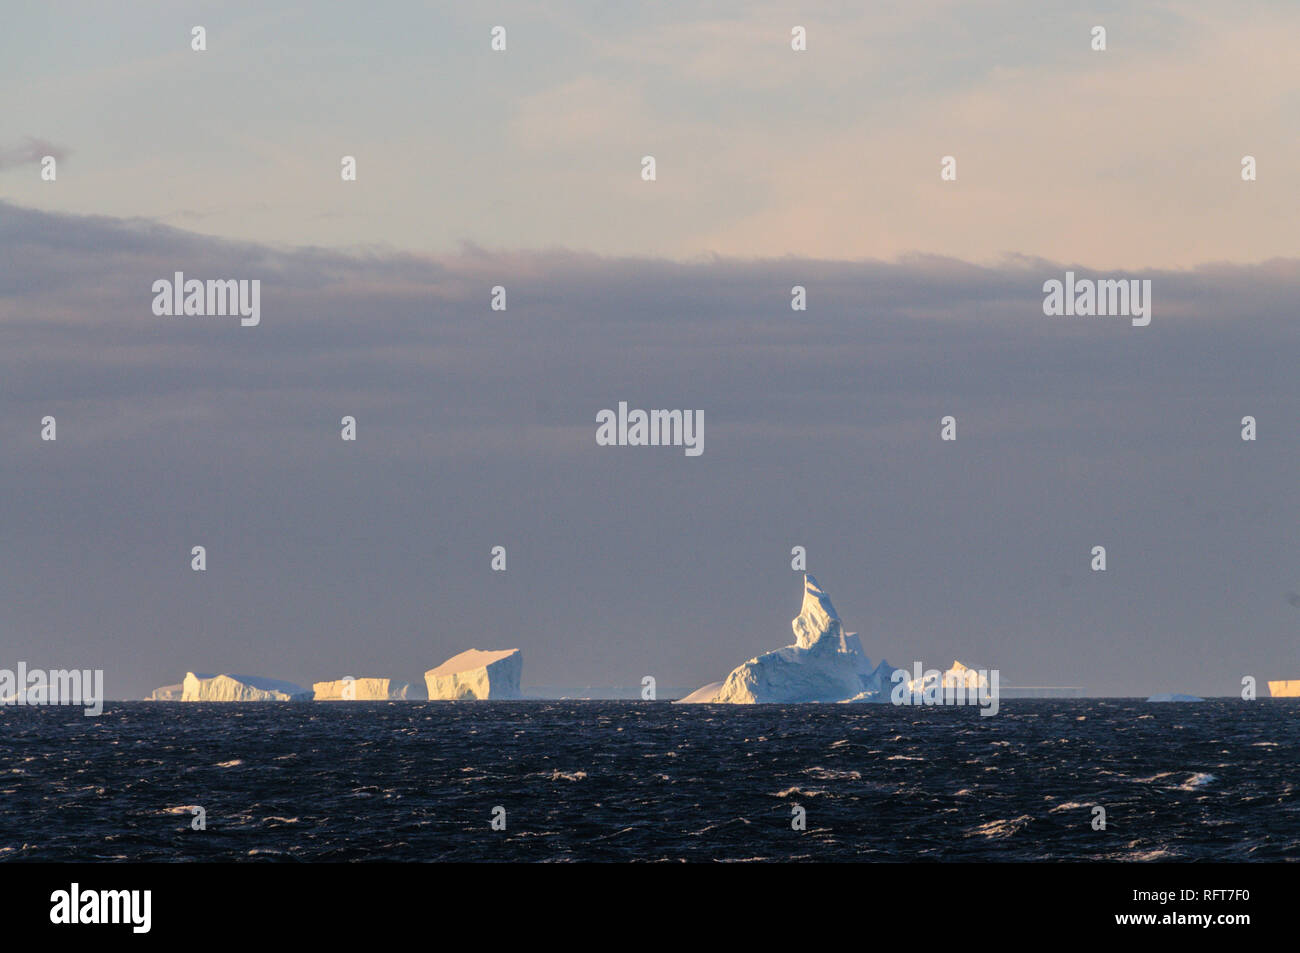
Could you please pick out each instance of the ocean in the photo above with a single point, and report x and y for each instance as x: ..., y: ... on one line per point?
x: 651, y: 781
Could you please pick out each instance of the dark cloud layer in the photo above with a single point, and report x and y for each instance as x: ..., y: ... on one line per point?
x: 476, y: 428
x: 29, y: 152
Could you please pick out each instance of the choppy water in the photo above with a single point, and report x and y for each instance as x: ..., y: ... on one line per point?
x: 652, y: 781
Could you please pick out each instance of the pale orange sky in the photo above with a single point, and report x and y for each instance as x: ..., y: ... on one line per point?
x: 1125, y: 158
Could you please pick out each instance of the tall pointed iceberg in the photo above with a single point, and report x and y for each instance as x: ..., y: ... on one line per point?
x: 825, y: 664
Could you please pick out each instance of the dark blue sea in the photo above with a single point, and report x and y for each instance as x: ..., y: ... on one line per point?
x: 638, y: 781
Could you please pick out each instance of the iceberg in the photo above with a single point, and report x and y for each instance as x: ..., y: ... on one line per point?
x: 825, y: 664
x: 477, y: 674
x: 1175, y: 697
x: 240, y: 688
x: 702, y: 695
x: 362, y: 690
x: 959, y: 676
x: 167, y: 693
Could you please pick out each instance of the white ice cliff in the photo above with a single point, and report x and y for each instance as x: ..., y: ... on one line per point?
x: 240, y: 688
x: 167, y: 693
x: 701, y: 695
x: 825, y: 664
x: 362, y: 690
x: 477, y: 674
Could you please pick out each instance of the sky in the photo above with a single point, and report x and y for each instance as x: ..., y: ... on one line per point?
x: 1062, y: 151
x: 476, y: 428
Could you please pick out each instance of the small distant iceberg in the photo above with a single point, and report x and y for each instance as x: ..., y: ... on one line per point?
x: 362, y: 690
x: 825, y: 664
x: 477, y: 674
x: 240, y: 688
x: 959, y: 676
x: 1175, y: 697
x: 167, y: 693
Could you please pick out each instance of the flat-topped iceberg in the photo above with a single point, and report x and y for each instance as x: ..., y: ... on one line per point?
x: 825, y: 664
x: 362, y: 690
x: 477, y: 674
x: 1175, y: 697
x: 240, y: 688
x: 167, y: 693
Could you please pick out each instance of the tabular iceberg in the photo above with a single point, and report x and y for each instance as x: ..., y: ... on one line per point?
x: 825, y: 664
x: 240, y: 688
x: 167, y: 693
x: 477, y: 674
x: 362, y: 690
